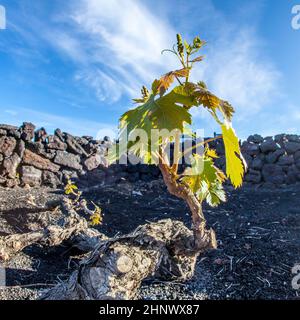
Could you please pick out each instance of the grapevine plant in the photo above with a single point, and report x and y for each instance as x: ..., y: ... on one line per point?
x: 80, y: 204
x: 167, y: 107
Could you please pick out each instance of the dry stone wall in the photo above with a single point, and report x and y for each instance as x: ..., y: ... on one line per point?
x: 34, y: 157
x: 29, y: 157
x: 272, y: 161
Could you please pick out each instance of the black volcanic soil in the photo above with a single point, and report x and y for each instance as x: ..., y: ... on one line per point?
x: 258, y: 234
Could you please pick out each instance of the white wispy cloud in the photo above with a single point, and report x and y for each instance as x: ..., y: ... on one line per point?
x: 122, y: 44
x: 117, y: 45
x: 67, y: 44
x: 237, y: 71
x: 105, y: 87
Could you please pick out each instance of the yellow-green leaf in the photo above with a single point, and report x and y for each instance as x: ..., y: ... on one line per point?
x: 234, y: 158
x: 205, y: 180
x: 211, y: 153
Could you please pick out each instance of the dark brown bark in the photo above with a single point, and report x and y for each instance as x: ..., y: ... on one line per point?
x: 204, y: 238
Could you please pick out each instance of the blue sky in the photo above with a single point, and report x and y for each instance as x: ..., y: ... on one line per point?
x: 77, y: 64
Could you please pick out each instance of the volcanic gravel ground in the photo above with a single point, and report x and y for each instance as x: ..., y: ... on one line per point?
x: 258, y: 240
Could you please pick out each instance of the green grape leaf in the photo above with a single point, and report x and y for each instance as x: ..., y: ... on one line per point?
x: 181, y: 95
x: 205, y: 180
x: 161, y: 113
x: 214, y: 193
x: 202, y: 169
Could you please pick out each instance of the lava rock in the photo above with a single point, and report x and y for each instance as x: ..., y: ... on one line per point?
x: 55, y: 143
x: 253, y: 176
x: 69, y: 174
x: 11, y: 131
x: 273, y: 173
x: 285, y: 160
x: 297, y: 156
x: 220, y: 149
x: 291, y: 147
x: 293, y: 175
x: 269, y: 146
x: 268, y: 138
x: 20, y: 148
x: 250, y: 148
x: 59, y: 134
x: 297, y: 163
x: 74, y: 146
x: 38, y: 162
x: 27, y: 131
x: 256, y: 138
x: 8, y: 127
x: 93, y: 162
x: 269, y: 185
x: 88, y: 138
x: 293, y: 138
x: 272, y: 157
x: 7, y: 145
x: 132, y: 168
x: 221, y: 161
x: 51, y: 179
x: 279, y: 138
x: 31, y: 176
x: 122, y: 176
x: 39, y: 148
x: 68, y: 160
x: 14, y: 133
x: 82, y: 141
x: 10, y: 166
x: 40, y: 135
x: 2, y: 180
x: 257, y: 164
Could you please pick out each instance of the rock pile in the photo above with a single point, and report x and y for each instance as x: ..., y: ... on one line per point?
x: 29, y: 157
x: 33, y: 157
x: 272, y: 161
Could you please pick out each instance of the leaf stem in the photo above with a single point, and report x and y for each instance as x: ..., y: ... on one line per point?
x: 201, y: 143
